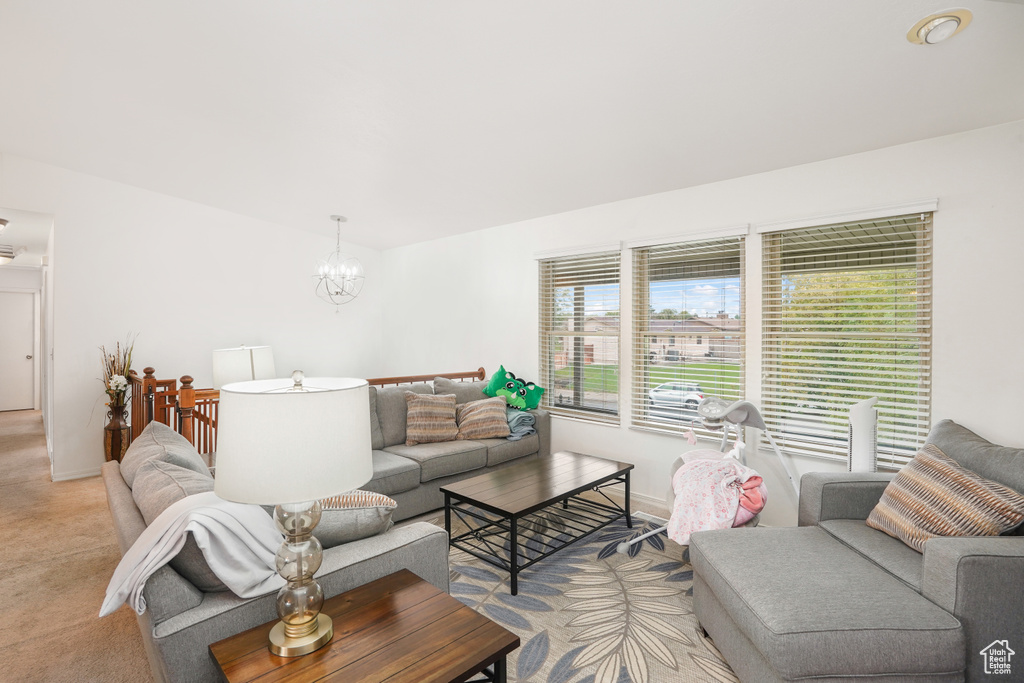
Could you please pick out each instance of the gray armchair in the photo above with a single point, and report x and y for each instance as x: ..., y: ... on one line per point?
x: 940, y: 609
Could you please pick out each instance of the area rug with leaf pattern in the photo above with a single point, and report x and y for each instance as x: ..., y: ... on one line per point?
x: 588, y: 614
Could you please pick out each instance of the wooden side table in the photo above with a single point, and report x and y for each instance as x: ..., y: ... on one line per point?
x: 396, y: 629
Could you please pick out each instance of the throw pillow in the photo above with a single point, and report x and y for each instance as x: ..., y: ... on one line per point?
x: 934, y: 496
x: 158, y: 485
x: 353, y: 516
x: 159, y: 441
x: 484, y: 419
x: 430, y: 418
x: 392, y: 410
x: 464, y: 391
x: 519, y: 393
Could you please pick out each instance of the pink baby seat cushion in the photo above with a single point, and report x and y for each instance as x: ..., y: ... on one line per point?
x: 713, y: 491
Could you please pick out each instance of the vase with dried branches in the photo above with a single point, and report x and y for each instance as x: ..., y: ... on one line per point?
x: 116, y: 365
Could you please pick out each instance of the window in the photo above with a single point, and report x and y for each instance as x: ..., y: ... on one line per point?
x: 579, y: 335
x: 847, y: 316
x: 690, y: 294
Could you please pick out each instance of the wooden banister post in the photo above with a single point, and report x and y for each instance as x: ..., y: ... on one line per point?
x: 186, y: 405
x: 149, y: 395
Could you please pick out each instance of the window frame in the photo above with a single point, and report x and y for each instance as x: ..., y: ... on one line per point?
x: 608, y: 267
x: 824, y: 422
x: 642, y: 332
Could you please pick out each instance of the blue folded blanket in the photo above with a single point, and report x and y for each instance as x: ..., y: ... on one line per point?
x: 520, y: 423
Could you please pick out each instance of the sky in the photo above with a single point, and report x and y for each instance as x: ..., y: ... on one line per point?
x: 703, y: 298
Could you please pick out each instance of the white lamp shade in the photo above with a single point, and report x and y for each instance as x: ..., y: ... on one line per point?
x: 276, y: 446
x: 242, y: 364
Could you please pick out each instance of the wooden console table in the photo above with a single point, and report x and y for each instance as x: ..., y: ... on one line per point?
x: 398, y: 629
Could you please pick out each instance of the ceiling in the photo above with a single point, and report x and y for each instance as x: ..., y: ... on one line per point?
x: 424, y: 119
x: 29, y: 230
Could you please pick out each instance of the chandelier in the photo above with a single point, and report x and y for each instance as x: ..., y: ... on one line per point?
x: 339, y: 277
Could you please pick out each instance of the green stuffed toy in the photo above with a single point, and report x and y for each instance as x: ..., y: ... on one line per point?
x: 518, y: 393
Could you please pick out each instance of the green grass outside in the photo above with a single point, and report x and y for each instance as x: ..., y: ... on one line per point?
x: 719, y: 379
x: 595, y: 377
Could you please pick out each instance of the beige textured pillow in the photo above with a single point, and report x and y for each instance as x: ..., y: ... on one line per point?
x: 430, y: 418
x: 484, y: 419
x: 934, y: 496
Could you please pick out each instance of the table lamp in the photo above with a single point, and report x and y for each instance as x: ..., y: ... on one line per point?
x: 241, y: 364
x: 291, y: 443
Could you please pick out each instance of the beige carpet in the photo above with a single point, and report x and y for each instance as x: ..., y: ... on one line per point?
x: 59, y: 553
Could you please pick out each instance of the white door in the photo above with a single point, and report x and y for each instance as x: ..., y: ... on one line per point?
x: 17, y: 342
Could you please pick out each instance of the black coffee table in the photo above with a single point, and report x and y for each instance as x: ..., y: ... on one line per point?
x: 541, y: 495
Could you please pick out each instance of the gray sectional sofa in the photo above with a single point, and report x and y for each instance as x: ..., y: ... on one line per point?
x: 835, y: 600
x: 414, y: 475
x: 182, y: 618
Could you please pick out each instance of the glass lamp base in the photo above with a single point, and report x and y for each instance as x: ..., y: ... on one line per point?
x: 284, y: 646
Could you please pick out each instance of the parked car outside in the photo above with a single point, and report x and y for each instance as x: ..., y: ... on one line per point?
x: 673, y: 398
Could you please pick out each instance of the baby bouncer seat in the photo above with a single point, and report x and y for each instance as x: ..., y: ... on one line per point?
x: 714, y: 489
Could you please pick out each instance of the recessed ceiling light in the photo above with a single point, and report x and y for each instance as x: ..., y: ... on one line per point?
x: 938, y: 27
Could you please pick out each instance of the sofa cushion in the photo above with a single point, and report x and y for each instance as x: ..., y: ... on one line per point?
x: 483, y: 419
x: 503, y: 450
x: 353, y: 516
x: 934, y: 496
x: 158, y: 485
x: 393, y: 474
x: 391, y: 410
x: 430, y: 419
x: 159, y: 441
x: 376, y: 435
x: 465, y: 392
x: 887, y: 552
x: 864, y: 620
x: 438, y: 460
x: 998, y: 463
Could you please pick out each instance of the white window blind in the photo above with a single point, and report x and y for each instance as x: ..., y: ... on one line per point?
x: 847, y: 316
x: 687, y: 330
x: 579, y: 335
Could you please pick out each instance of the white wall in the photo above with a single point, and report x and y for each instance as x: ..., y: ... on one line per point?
x: 471, y: 299
x: 47, y: 346
x: 186, y: 279
x: 17, y: 278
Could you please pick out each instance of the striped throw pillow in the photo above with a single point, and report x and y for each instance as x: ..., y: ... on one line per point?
x: 353, y: 516
x: 484, y: 419
x: 430, y: 418
x: 934, y: 496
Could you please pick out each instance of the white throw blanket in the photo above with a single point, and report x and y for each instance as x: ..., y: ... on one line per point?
x: 238, y: 541
x: 707, y: 496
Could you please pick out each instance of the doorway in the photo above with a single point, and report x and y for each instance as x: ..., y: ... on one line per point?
x: 17, y: 351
